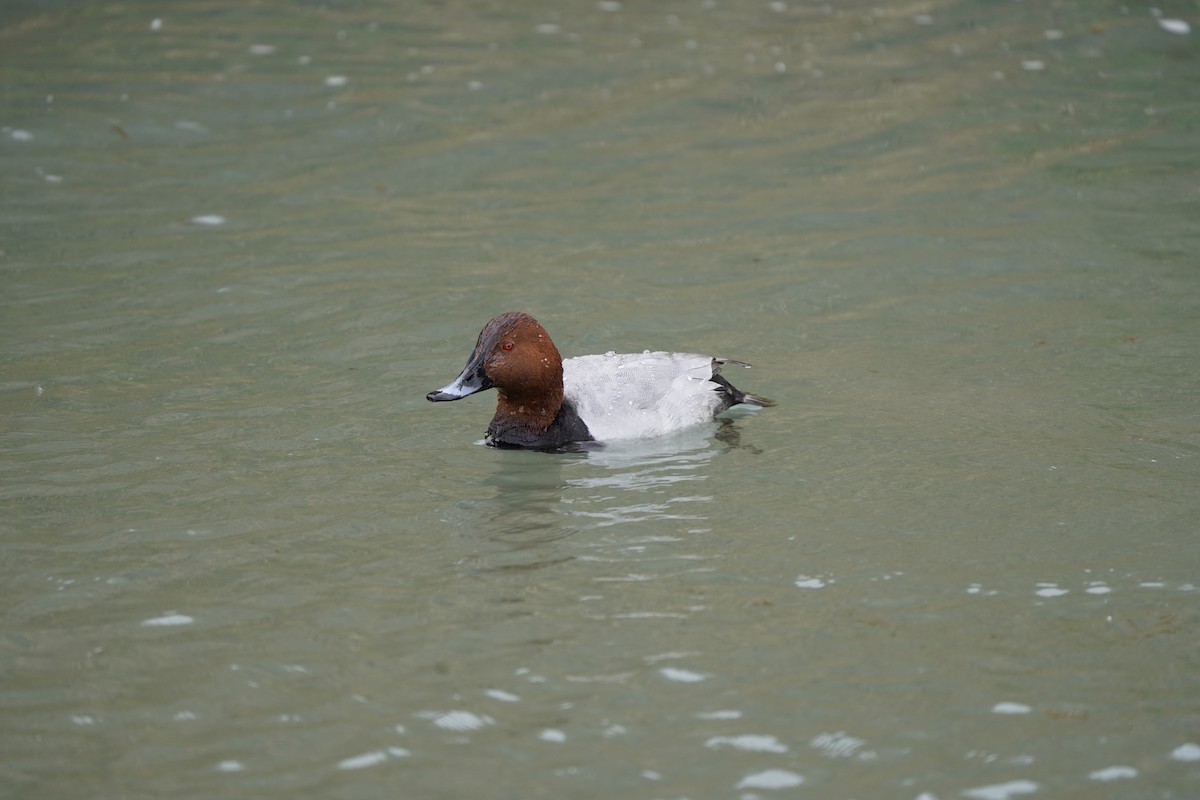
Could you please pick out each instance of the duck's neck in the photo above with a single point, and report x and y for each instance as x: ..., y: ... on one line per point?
x: 529, y: 411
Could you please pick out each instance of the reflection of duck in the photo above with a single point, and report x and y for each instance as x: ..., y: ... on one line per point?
x: 545, y: 402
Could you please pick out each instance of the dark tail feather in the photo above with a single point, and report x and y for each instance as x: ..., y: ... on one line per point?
x: 735, y: 394
x: 755, y: 400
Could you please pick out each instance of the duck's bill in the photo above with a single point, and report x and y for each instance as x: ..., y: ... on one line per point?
x: 471, y: 380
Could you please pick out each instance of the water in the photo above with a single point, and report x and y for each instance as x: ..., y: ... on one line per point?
x: 243, y: 557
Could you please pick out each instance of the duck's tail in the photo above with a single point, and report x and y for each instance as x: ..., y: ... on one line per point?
x: 755, y: 400
x: 734, y: 394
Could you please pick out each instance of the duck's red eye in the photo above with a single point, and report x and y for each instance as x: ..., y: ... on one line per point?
x: 507, y: 345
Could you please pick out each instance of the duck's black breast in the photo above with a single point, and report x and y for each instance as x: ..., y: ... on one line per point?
x: 566, y: 428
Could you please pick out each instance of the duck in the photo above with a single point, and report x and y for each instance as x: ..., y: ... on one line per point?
x: 546, y: 403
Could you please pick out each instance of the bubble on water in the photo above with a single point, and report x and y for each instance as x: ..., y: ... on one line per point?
x: 552, y: 735
x: 837, y: 745
x: 1113, y: 773
x: 362, y: 761
x: 722, y: 714
x: 751, y: 742
x: 336, y: 81
x: 21, y: 135
x: 461, y: 721
x: 1010, y: 708
x: 681, y: 675
x: 503, y: 696
x: 1186, y: 752
x: 1002, y: 791
x: 771, y: 779
x: 1177, y: 26
x: 810, y: 582
x: 262, y: 49
x: 168, y: 620
x: 208, y: 219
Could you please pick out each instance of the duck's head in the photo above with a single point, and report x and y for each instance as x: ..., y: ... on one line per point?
x: 515, y: 356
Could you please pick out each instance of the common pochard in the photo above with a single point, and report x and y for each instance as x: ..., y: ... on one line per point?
x: 546, y: 403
